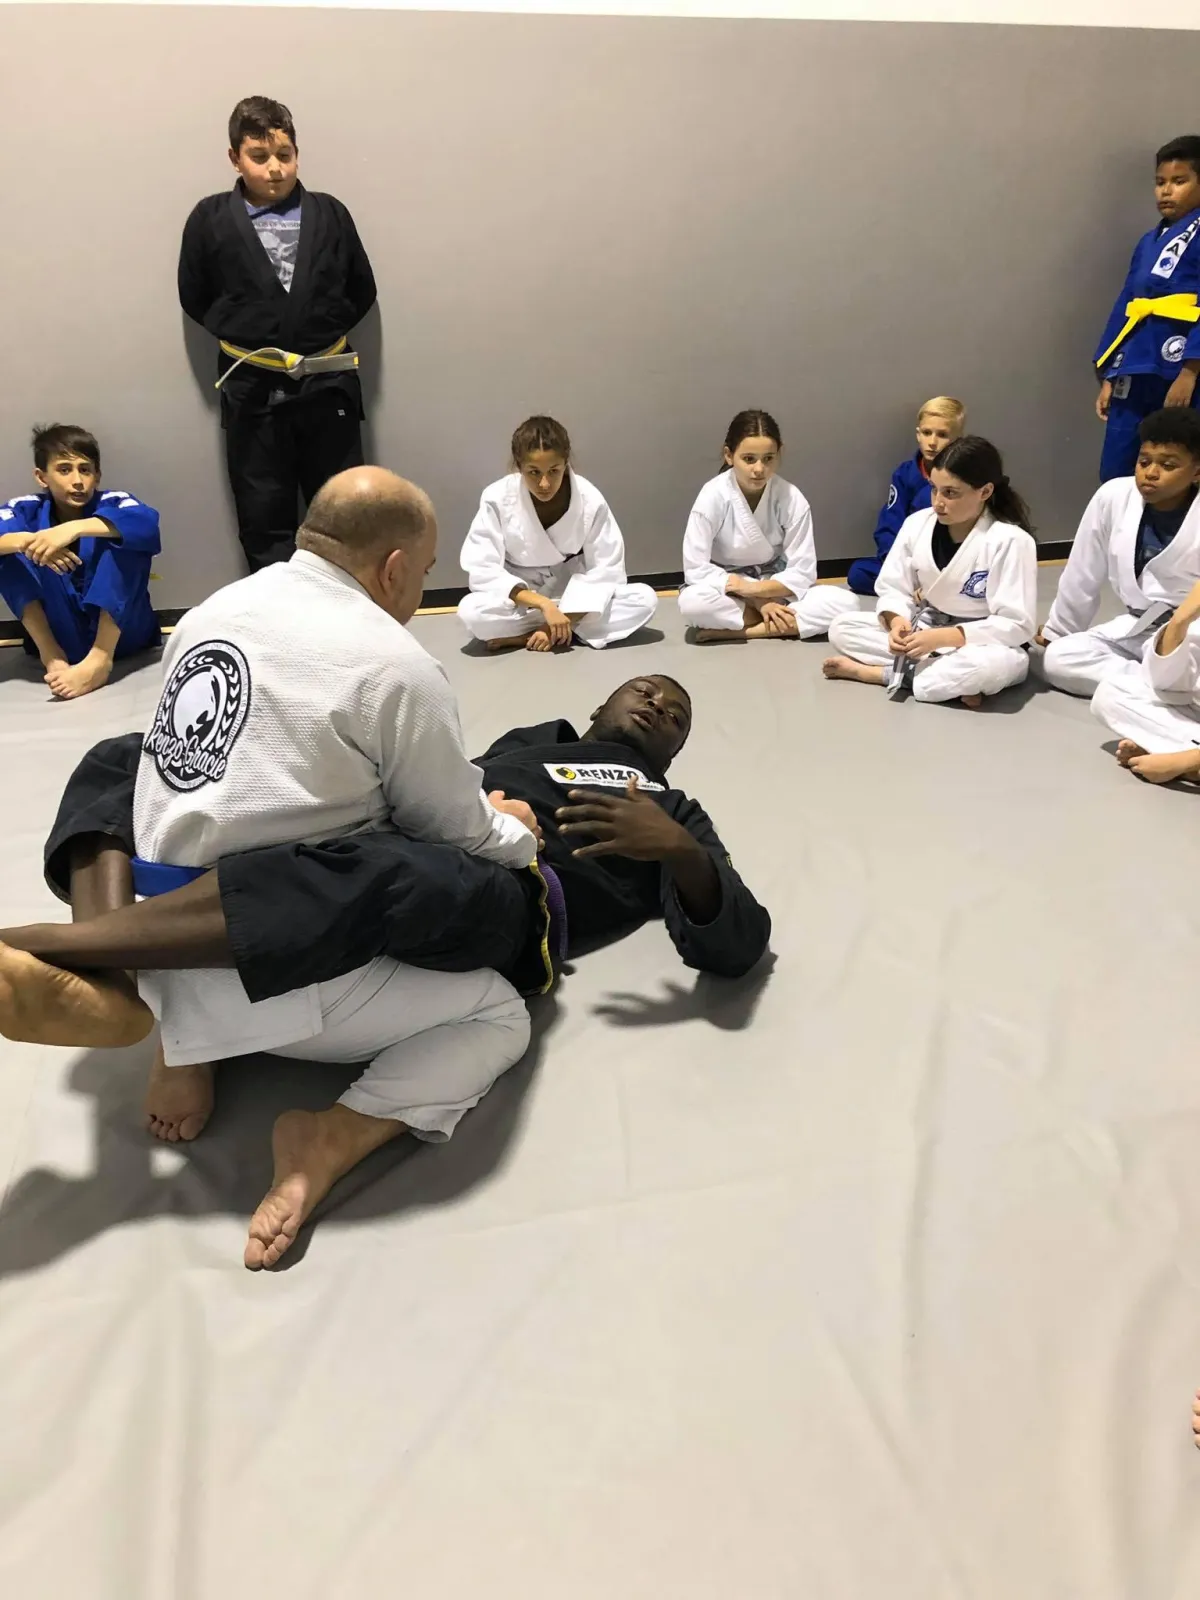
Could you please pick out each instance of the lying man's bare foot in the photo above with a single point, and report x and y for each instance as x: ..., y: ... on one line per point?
x: 312, y: 1150
x: 41, y: 1004
x: 179, y: 1100
x: 69, y: 683
x: 972, y: 701
x: 853, y: 671
x: 1166, y: 768
x: 1126, y: 750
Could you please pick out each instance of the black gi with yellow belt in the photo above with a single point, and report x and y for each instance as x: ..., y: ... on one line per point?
x: 285, y: 434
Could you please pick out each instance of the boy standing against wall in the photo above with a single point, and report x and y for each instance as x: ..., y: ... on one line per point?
x: 1149, y: 353
x: 277, y: 273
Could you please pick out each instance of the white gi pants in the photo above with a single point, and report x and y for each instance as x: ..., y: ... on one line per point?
x: 705, y: 605
x: 488, y: 617
x: 436, y: 1041
x: 1079, y: 662
x: 1128, y: 704
x: 975, y: 669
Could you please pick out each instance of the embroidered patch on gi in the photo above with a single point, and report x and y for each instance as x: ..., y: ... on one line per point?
x: 603, y: 775
x: 202, y: 711
x: 1172, y: 254
x: 975, y: 587
x: 6, y: 514
x: 893, y: 496
x: 1174, y: 347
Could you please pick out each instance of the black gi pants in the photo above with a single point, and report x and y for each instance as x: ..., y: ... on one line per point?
x: 278, y: 452
x: 308, y: 913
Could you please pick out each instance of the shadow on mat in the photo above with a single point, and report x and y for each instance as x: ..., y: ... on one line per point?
x: 728, y: 1003
x: 228, y: 1169
x: 15, y: 664
x: 477, y: 648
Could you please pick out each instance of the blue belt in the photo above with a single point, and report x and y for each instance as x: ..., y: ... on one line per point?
x: 152, y: 878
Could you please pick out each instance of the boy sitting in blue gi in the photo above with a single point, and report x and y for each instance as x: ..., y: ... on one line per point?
x: 1149, y: 353
x: 75, y: 564
x: 939, y: 422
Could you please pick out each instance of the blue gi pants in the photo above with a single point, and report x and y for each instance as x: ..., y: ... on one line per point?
x: 119, y: 583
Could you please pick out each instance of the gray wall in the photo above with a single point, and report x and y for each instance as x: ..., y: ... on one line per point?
x: 640, y: 225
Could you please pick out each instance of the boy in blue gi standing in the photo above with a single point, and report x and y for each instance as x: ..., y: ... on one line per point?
x: 1149, y: 354
x: 75, y: 565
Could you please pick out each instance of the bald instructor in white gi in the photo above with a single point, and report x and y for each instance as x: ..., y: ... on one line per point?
x: 297, y: 706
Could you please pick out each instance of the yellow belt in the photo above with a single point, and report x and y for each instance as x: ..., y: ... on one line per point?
x: 1178, y: 307
x: 272, y: 359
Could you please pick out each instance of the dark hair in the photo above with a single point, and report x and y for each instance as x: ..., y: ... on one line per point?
x: 751, y: 425
x: 1174, y: 425
x: 63, y: 439
x: 977, y: 462
x: 1185, y: 148
x: 540, y: 433
x: 255, y: 117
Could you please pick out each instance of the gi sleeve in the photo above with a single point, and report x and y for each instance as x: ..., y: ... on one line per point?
x: 799, y: 549
x: 738, y: 935
x: 698, y: 564
x: 197, y: 287
x: 135, y: 523
x: 433, y: 791
x: 604, y: 563
x: 482, y: 554
x: 893, y: 512
x: 21, y: 515
x: 1079, y: 588
x: 1011, y: 595
x: 1179, y: 673
x: 360, y: 280
x: 894, y: 586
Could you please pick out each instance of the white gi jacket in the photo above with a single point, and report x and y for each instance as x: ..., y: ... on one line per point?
x: 294, y: 708
x: 506, y: 545
x: 723, y: 535
x: 988, y: 588
x: 1106, y: 547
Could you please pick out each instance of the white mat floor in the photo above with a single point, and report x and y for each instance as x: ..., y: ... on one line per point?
x: 876, y: 1278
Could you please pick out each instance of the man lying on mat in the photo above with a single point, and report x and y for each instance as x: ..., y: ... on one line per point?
x: 620, y: 844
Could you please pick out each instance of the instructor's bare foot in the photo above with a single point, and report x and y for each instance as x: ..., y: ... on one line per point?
x: 312, y: 1150
x: 972, y: 701
x: 853, y: 671
x: 68, y: 683
x: 1126, y: 750
x: 179, y: 1100
x: 41, y: 1004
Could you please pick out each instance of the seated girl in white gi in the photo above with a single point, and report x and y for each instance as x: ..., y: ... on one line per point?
x: 1143, y: 535
x: 957, y: 591
x: 749, y: 562
x: 545, y: 557
x: 1155, y: 709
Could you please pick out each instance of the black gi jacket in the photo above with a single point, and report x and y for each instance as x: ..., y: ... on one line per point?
x: 228, y: 285
x: 608, y: 896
